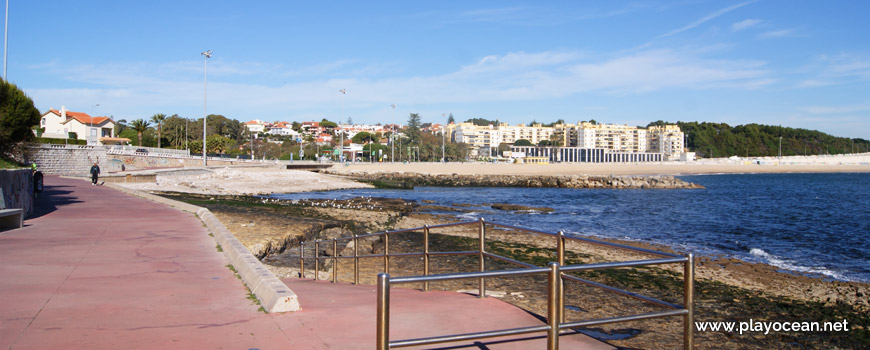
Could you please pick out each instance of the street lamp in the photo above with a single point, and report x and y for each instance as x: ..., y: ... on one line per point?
x: 780, y: 147
x: 207, y: 55
x: 6, y: 41
x: 341, y: 146
x: 93, y: 132
x: 442, y: 139
x: 392, y: 138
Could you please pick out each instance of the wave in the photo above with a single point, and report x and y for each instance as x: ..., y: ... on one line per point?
x: 783, y: 263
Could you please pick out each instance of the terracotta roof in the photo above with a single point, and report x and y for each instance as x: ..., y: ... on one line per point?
x: 81, y: 117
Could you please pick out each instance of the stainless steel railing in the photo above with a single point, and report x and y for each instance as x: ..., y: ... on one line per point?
x: 556, y: 272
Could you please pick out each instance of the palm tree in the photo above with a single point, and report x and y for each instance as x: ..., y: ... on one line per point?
x: 140, y: 125
x: 158, y: 119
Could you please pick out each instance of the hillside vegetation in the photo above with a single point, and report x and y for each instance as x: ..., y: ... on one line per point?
x: 756, y: 140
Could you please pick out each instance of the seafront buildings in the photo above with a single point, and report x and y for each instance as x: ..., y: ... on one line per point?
x: 581, y: 142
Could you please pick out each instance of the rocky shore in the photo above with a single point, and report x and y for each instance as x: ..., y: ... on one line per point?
x: 534, y: 181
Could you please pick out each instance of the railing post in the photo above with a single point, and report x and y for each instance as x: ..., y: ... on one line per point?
x: 302, y: 260
x: 689, y: 291
x: 383, y: 322
x: 334, y: 260
x: 316, y: 259
x: 561, y: 254
x: 355, y: 260
x: 426, y: 256
x: 481, y: 282
x: 554, y: 279
x: 387, y: 252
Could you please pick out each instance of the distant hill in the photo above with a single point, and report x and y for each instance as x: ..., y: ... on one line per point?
x: 756, y: 140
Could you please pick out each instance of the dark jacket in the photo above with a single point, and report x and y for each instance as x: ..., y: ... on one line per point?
x: 95, y: 170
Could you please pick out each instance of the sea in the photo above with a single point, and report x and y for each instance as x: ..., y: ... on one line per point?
x: 816, y: 224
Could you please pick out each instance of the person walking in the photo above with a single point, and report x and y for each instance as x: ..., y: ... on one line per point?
x: 95, y: 173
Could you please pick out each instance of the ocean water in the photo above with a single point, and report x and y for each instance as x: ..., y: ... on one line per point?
x: 810, y: 223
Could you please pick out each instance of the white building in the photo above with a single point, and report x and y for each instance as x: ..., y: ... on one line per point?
x: 256, y: 126
x: 96, y: 130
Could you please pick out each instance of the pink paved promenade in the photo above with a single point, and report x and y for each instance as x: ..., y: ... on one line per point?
x: 99, y: 269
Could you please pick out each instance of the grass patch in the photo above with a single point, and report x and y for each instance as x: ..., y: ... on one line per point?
x: 219, y: 248
x: 6, y: 163
x: 250, y: 296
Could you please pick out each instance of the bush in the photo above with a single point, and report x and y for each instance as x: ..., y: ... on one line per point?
x: 55, y: 141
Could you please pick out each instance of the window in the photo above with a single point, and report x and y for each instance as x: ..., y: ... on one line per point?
x: 43, y: 121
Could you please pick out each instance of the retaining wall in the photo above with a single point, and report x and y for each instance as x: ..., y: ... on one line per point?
x: 17, y: 188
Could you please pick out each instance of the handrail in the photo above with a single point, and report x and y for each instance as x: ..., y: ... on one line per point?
x: 555, y: 296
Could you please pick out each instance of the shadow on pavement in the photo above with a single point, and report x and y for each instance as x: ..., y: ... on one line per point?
x: 52, y: 197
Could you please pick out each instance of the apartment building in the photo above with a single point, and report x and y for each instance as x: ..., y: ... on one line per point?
x: 612, y: 138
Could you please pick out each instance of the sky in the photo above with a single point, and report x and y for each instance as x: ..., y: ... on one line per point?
x: 801, y: 64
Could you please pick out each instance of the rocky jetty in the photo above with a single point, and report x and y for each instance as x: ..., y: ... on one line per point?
x: 537, y: 181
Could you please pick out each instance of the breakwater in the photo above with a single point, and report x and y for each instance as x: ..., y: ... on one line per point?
x: 528, y: 181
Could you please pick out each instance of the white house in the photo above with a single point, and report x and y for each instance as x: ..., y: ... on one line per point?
x: 96, y: 130
x: 256, y: 126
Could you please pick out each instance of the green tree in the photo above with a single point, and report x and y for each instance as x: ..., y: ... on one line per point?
x: 523, y: 142
x: 158, y: 119
x: 140, y: 125
x: 18, y: 116
x: 328, y: 124
x: 120, y: 125
x: 362, y: 137
x: 217, y: 144
x: 450, y: 119
x: 412, y: 130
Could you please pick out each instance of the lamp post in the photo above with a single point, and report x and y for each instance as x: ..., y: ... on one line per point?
x: 207, y: 55
x: 442, y: 139
x: 341, y: 146
x: 392, y: 137
x: 780, y: 147
x: 6, y: 41
x: 92, y: 131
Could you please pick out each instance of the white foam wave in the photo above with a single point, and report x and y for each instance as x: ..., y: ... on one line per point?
x: 783, y: 263
x: 472, y: 215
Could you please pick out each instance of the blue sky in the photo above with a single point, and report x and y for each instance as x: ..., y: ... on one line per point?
x: 802, y: 64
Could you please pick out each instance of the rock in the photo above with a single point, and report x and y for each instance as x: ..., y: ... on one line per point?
x: 515, y: 207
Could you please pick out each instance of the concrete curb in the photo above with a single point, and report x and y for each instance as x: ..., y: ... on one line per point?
x: 273, y: 294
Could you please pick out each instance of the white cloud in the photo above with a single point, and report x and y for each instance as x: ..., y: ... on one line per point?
x: 744, y: 24
x: 706, y: 18
x: 141, y: 89
x: 776, y: 34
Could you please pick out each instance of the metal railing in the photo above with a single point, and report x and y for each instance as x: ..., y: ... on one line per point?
x: 556, y: 272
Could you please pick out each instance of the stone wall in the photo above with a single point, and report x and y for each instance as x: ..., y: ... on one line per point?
x: 17, y: 188
x: 76, y: 160
x: 70, y: 160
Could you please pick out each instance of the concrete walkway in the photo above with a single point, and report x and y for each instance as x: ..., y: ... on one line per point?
x: 95, y: 268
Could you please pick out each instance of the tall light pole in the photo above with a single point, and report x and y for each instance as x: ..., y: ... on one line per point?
x: 780, y: 147
x: 92, y: 131
x: 341, y: 146
x: 6, y: 41
x: 393, y: 138
x: 207, y: 55
x: 442, y: 139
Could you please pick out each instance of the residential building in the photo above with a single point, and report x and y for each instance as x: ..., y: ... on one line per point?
x: 667, y: 140
x: 96, y: 130
x: 256, y: 126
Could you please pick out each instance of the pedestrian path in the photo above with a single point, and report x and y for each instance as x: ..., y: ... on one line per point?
x: 96, y: 268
